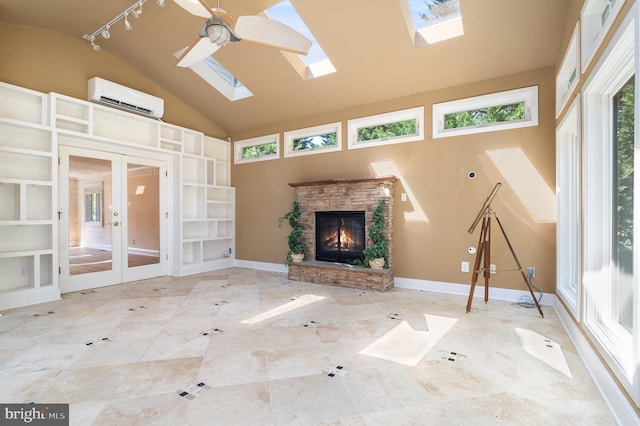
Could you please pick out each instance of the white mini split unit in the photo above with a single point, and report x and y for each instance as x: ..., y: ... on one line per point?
x: 122, y: 97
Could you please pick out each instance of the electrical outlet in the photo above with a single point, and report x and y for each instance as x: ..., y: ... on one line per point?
x: 22, y: 271
x: 531, y: 271
x: 492, y: 268
x: 464, y: 267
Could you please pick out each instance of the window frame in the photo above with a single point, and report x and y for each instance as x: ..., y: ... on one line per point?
x: 568, y: 196
x: 323, y: 129
x: 354, y: 125
x: 618, y: 347
x: 239, y: 145
x: 570, y: 65
x: 528, y: 95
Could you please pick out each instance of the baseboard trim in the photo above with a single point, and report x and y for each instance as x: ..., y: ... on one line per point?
x: 463, y: 290
x: 620, y: 407
x: 262, y: 266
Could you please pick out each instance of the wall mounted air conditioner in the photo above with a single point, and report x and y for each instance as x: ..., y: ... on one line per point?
x: 122, y: 97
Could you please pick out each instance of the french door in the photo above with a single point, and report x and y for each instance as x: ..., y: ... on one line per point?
x: 113, y: 219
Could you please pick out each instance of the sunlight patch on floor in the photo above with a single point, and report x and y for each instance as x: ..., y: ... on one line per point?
x: 544, y: 349
x: 301, y: 301
x: 406, y: 346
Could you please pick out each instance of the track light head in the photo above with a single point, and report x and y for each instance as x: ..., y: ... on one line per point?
x: 160, y: 3
x: 95, y: 47
x: 105, y: 33
x: 135, y: 14
x: 127, y: 24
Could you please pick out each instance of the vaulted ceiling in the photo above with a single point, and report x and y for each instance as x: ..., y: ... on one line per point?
x: 367, y: 41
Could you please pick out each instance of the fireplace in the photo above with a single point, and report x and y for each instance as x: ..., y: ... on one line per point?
x: 340, y: 236
x: 342, y: 196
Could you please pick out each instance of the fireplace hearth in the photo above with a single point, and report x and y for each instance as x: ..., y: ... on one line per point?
x: 340, y: 236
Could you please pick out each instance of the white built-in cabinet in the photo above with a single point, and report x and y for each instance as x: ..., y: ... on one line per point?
x: 34, y: 124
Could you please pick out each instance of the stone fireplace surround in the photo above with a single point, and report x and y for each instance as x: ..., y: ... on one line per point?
x: 344, y: 195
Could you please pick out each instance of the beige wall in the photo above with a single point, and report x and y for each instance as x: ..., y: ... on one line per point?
x: 428, y: 245
x: 49, y: 61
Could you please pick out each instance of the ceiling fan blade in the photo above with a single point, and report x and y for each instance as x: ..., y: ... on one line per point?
x: 258, y: 29
x: 199, y: 49
x: 195, y: 7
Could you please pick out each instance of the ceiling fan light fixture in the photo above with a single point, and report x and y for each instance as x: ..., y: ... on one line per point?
x: 218, y: 34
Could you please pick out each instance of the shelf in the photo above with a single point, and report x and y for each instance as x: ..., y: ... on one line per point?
x: 23, y: 104
x: 192, y: 142
x: 170, y: 145
x: 72, y: 124
x: 70, y: 109
x: 124, y: 126
x: 171, y: 134
x: 23, y: 165
x: 17, y: 238
x: 29, y: 139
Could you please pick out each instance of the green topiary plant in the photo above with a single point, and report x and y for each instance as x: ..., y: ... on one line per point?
x: 378, y: 248
x: 294, y: 240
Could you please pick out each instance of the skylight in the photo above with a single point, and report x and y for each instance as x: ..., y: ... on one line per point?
x: 432, y: 21
x: 219, y: 78
x: 316, y: 61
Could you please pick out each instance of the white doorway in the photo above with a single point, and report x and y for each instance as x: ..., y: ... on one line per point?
x: 113, y: 218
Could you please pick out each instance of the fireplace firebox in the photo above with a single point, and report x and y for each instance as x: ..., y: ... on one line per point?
x: 340, y: 236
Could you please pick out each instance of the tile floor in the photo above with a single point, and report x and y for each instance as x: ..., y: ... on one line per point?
x: 247, y: 347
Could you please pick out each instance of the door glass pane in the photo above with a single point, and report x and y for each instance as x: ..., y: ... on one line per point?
x: 90, y: 248
x: 622, y: 290
x: 143, y: 215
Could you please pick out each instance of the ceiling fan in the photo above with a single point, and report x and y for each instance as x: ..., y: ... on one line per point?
x: 218, y: 31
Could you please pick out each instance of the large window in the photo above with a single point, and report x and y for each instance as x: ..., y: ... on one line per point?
x: 610, y: 279
x: 622, y: 209
x: 496, y: 111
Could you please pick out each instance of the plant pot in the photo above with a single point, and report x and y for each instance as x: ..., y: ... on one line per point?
x: 377, y: 263
x: 297, y: 257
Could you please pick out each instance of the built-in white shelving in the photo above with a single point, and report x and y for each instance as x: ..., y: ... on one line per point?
x: 27, y: 203
x: 208, y: 203
x: 33, y: 124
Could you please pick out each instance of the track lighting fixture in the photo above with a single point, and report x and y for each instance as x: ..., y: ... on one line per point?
x: 134, y: 10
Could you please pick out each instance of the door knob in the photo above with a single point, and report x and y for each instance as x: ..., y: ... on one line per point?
x: 115, y: 213
x: 116, y: 223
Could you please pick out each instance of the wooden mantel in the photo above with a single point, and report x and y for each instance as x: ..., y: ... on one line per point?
x: 344, y: 180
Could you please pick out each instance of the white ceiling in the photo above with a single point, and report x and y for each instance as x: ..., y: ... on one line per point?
x: 367, y: 42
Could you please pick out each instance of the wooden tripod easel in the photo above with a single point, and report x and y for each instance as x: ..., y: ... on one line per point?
x: 483, y: 256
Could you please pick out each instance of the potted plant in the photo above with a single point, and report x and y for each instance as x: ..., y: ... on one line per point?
x: 297, y: 249
x: 376, y: 255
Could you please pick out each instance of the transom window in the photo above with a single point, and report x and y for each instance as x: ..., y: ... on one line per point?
x: 257, y: 149
x: 497, y: 111
x: 389, y: 128
x: 313, y: 140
